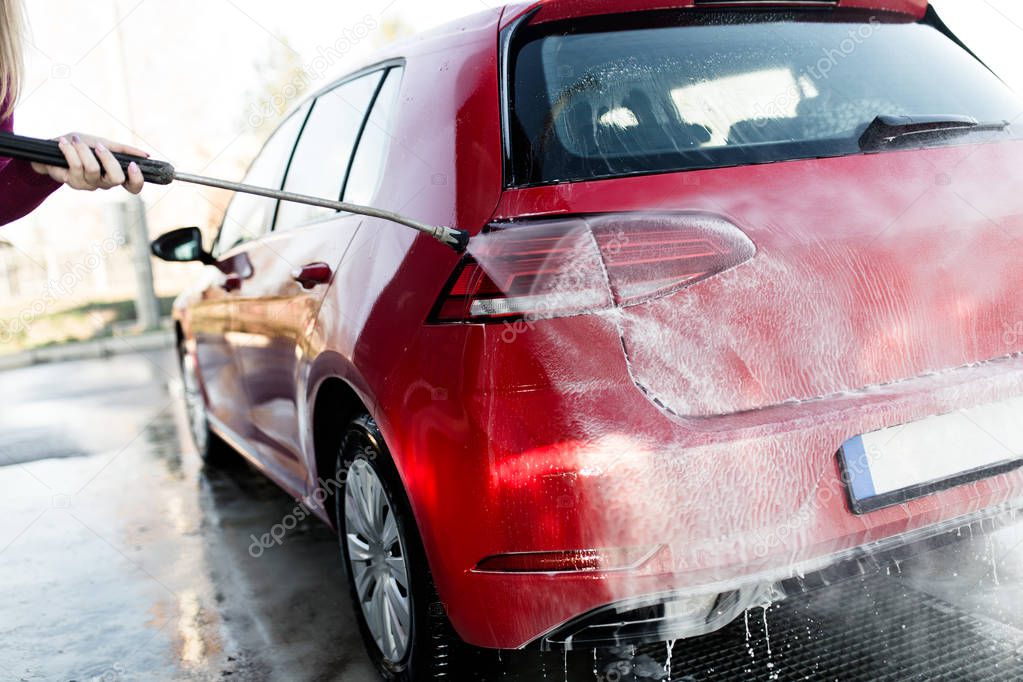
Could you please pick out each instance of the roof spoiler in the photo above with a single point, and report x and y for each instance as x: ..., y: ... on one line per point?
x: 554, y: 10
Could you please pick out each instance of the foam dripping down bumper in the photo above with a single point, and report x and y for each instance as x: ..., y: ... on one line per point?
x: 700, y: 611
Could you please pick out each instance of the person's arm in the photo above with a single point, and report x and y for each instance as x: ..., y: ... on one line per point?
x: 23, y: 185
x: 22, y: 189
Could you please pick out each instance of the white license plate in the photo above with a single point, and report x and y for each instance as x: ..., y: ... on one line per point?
x: 900, y: 463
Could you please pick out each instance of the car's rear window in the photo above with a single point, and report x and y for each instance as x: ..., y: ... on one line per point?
x: 684, y: 90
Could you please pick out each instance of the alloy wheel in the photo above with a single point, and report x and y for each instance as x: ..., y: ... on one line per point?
x: 376, y: 558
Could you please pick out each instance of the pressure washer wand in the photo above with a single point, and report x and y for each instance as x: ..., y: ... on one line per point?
x: 162, y: 173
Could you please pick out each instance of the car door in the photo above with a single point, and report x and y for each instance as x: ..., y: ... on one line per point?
x: 292, y: 268
x: 217, y: 338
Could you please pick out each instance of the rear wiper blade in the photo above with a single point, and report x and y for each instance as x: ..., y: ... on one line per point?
x: 887, y: 131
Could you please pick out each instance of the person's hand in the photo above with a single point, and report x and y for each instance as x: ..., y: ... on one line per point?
x: 91, y: 165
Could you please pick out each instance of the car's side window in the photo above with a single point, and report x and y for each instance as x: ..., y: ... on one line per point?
x: 248, y: 217
x: 324, y: 149
x: 368, y: 164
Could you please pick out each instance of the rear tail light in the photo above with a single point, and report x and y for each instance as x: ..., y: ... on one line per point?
x: 547, y: 269
x: 557, y: 268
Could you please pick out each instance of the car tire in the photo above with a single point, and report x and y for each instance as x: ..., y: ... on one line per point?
x: 430, y: 649
x: 211, y: 448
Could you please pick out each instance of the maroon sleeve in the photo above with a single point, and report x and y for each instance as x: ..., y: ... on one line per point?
x: 21, y: 188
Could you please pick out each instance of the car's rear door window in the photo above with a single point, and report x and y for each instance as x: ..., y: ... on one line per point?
x: 368, y: 165
x: 249, y: 217
x: 324, y: 150
x: 656, y: 92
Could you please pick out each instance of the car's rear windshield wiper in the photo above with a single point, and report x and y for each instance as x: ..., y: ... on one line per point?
x: 888, y: 131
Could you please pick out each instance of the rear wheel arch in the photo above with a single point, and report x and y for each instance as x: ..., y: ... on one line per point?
x: 335, y: 406
x: 434, y: 648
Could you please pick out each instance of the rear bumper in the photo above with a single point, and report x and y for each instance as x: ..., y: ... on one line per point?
x: 735, y: 506
x: 677, y: 615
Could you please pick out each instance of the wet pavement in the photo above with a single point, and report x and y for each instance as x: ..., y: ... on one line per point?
x: 121, y: 557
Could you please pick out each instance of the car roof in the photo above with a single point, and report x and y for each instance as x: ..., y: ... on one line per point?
x: 395, y: 53
x: 554, y: 10
x: 499, y: 16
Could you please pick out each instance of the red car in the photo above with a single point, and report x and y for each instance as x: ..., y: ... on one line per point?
x: 742, y: 300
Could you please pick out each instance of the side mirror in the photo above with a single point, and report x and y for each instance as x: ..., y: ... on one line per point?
x: 183, y: 245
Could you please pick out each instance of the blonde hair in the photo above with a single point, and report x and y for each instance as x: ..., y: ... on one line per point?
x: 11, y: 61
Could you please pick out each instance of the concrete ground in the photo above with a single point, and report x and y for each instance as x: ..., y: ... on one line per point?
x: 122, y: 558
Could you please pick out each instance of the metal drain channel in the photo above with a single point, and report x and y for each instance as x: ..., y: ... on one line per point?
x: 876, y: 628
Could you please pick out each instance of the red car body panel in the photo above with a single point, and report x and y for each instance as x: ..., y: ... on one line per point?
x: 635, y: 428
x: 848, y: 261
x: 810, y: 400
